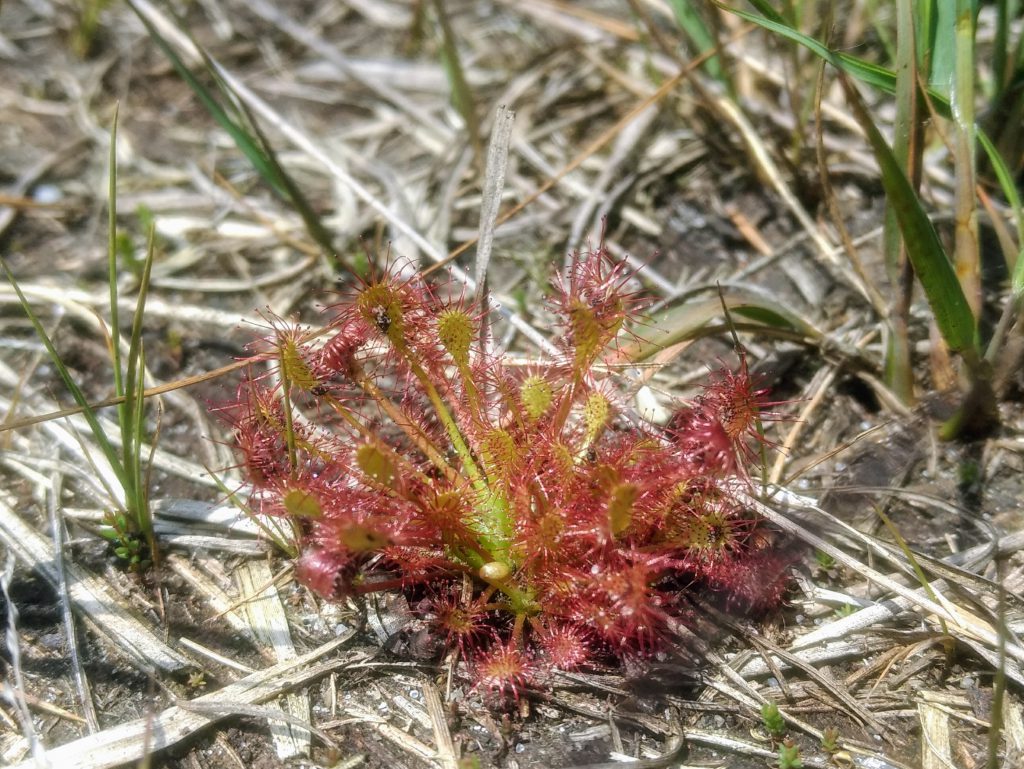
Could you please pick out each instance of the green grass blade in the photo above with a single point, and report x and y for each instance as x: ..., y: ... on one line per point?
x: 899, y: 375
x: 874, y: 75
x: 885, y: 80
x: 314, y: 226
x: 942, y: 46
x: 692, y: 319
x: 462, y: 94
x: 76, y: 392
x: 242, y: 140
x: 967, y: 251
x: 134, y: 399
x: 115, y: 348
x: 696, y: 30
x: 123, y: 409
x: 249, y: 140
x: 1009, y: 188
x: 933, y: 268
x: 135, y: 466
x: 924, y: 32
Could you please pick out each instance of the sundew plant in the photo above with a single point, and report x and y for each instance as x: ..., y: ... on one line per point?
x: 535, y: 521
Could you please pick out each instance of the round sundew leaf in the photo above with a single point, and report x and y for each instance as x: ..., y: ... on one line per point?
x: 596, y: 411
x: 301, y: 504
x: 455, y: 329
x: 363, y: 539
x: 376, y: 464
x: 536, y: 395
x: 620, y: 507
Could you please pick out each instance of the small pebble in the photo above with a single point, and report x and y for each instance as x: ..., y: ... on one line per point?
x: 47, y: 194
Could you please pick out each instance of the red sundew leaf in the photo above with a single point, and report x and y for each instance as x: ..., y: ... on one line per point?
x: 464, y: 625
x: 328, y: 574
x: 564, y: 646
x: 593, y: 303
x: 503, y: 671
x: 622, y: 603
x: 337, y: 357
x: 425, y: 565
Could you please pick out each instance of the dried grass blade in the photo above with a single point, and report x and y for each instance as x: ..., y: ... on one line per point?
x: 129, y: 742
x: 968, y: 625
x: 91, y: 597
x: 494, y: 184
x: 265, y: 614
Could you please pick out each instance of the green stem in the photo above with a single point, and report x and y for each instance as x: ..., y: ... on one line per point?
x: 289, y: 426
x: 492, y: 507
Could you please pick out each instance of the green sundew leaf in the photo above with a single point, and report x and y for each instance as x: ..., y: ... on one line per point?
x: 501, y: 452
x: 931, y: 264
x: 76, y: 392
x: 596, y: 410
x: 1009, y: 188
x: 692, y: 24
x: 301, y: 504
x: 620, y: 507
x: 362, y: 539
x: 455, y: 329
x: 294, y: 367
x: 376, y: 464
x: 536, y: 394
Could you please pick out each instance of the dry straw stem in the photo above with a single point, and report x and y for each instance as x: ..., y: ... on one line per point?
x: 967, y: 626
x: 133, y: 741
x: 260, y: 107
x: 107, y: 614
x: 266, y: 616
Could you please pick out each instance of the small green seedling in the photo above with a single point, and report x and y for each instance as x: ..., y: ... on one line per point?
x: 830, y: 740
x: 773, y: 721
x: 789, y: 756
x: 824, y: 560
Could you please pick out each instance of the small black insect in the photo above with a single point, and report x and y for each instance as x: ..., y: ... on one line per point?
x: 382, y: 319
